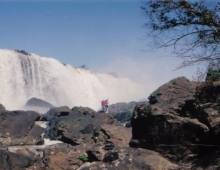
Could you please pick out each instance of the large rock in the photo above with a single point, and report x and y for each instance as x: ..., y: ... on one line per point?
x: 75, y: 129
x: 56, y: 112
x: 83, y: 126
x: 156, y: 129
x: 37, y: 104
x: 172, y: 94
x: 23, y: 159
x: 18, y: 128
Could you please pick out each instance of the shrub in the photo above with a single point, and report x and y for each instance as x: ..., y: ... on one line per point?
x: 192, y: 90
x: 84, y: 158
x: 153, y: 96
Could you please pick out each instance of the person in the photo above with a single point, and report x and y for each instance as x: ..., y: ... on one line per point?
x: 104, y: 104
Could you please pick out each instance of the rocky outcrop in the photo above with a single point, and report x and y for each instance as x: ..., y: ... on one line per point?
x: 172, y: 95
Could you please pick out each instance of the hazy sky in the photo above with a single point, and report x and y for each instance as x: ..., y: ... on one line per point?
x: 105, y: 35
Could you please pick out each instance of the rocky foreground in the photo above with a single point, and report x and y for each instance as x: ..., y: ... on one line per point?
x: 173, y: 131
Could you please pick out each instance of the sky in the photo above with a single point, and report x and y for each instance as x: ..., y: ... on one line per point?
x: 105, y: 35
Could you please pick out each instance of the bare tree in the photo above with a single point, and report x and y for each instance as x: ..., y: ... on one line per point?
x: 192, y: 28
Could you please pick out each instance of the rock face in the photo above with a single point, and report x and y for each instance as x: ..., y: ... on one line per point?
x: 18, y: 128
x: 152, y: 129
x: 23, y: 159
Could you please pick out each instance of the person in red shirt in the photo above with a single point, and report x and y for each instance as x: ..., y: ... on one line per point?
x: 104, y: 104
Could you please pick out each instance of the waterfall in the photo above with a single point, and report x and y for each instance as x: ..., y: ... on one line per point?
x: 25, y: 76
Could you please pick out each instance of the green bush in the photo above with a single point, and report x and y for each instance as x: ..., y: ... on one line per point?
x: 84, y: 158
x: 192, y: 90
x: 155, y: 94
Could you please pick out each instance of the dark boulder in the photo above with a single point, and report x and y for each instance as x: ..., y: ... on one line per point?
x: 56, y: 112
x: 37, y: 104
x: 23, y: 159
x: 17, y: 126
x: 154, y: 128
x: 75, y: 129
x: 83, y: 126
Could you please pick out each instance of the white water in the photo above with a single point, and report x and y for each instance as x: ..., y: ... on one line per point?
x: 23, y: 77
